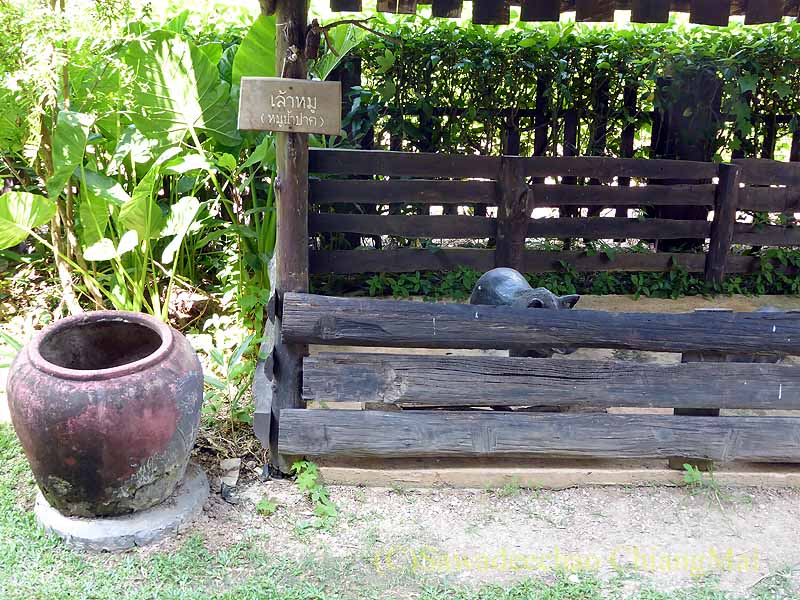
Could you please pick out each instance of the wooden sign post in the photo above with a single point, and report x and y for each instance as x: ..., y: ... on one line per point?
x: 290, y: 105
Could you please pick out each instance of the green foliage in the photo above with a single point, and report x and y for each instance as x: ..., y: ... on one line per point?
x: 442, y: 64
x: 307, y: 479
x: 256, y: 54
x: 20, y: 213
x: 266, y: 507
x: 775, y: 275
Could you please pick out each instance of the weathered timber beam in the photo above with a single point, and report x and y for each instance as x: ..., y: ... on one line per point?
x: 402, y: 324
x: 506, y: 381
x: 349, y: 433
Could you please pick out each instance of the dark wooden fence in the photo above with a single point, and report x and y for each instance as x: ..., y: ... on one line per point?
x: 424, y: 180
x: 707, y: 12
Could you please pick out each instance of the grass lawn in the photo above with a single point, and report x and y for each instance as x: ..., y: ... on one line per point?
x: 34, y: 566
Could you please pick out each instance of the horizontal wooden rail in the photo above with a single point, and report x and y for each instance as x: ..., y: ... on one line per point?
x: 313, y: 319
x: 408, y: 260
x: 758, y: 171
x: 350, y: 433
x: 770, y: 199
x: 413, y: 226
x: 456, y: 166
x: 503, y: 381
x: 406, y: 191
x: 403, y: 164
x: 605, y: 195
x: 607, y: 168
x: 458, y: 226
x: 766, y: 235
x: 598, y: 228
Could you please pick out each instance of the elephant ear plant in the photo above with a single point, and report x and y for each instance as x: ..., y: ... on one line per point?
x: 133, y: 159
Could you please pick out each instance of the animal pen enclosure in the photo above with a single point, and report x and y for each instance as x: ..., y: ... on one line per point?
x: 424, y: 407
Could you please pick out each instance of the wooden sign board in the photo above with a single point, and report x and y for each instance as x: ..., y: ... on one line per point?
x: 292, y: 105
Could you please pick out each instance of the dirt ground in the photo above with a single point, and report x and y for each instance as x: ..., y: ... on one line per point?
x: 665, y: 537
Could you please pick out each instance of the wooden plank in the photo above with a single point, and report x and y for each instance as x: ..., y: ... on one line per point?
x: 710, y: 12
x: 504, y: 381
x: 406, y: 191
x: 412, y: 226
x: 447, y: 8
x: 763, y: 11
x: 291, y: 245
x: 650, y: 11
x: 607, y: 168
x: 346, y: 5
x: 760, y: 171
x: 538, y: 473
x: 602, y: 228
x: 349, y: 433
x: 770, y: 199
x: 766, y: 235
x: 409, y: 260
x: 402, y: 164
x: 594, y: 10
x: 402, y: 324
x: 540, y: 10
x: 491, y: 12
x: 725, y: 207
x: 459, y: 226
x: 406, y: 7
x: 680, y: 195
x: 513, y: 215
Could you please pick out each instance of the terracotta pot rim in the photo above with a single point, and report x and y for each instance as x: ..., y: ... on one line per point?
x: 163, y: 330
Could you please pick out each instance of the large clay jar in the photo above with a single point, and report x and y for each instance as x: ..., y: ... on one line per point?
x: 107, y: 407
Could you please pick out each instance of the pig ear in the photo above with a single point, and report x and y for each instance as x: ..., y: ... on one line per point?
x: 569, y: 301
x: 536, y: 303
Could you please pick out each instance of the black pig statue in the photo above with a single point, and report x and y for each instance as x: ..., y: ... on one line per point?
x: 507, y: 287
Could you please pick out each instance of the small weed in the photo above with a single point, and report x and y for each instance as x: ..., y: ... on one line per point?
x: 698, y: 482
x: 509, y: 490
x: 266, y: 507
x: 307, y: 479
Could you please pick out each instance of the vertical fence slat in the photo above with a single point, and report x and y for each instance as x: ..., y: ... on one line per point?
x: 491, y: 12
x: 594, y: 10
x: 541, y: 10
x: 571, y: 127
x: 447, y: 8
x: 710, y: 12
x: 726, y: 204
x: 650, y: 11
x: 626, y: 146
x: 513, y: 212
x: 346, y: 5
x: 763, y: 11
x: 405, y: 7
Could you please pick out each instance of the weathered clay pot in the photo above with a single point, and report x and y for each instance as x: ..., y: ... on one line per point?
x: 107, y: 407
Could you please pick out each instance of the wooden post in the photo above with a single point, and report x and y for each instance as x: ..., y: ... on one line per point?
x: 291, y: 245
x: 513, y: 213
x: 726, y: 204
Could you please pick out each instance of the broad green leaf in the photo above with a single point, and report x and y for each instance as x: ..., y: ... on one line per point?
x: 178, y: 89
x: 20, y: 212
x: 187, y: 163
x: 256, y: 54
x: 132, y: 143
x: 98, y: 194
x: 181, y: 219
x: 343, y: 39
x: 104, y: 249
x: 213, y: 50
x: 69, y: 145
x: 141, y: 213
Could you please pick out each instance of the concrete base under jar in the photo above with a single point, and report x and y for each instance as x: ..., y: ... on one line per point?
x: 128, y: 531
